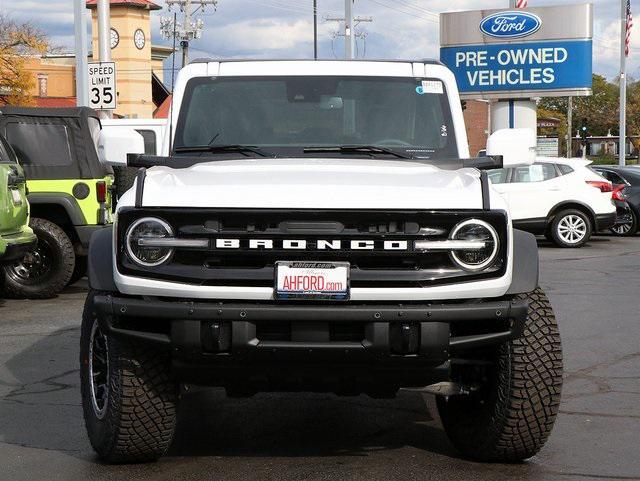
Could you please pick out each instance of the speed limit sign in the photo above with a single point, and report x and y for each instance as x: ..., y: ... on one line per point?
x: 102, y: 85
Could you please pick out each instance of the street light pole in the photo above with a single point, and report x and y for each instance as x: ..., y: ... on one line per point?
x: 315, y: 29
x: 622, y: 140
x: 80, y: 24
x: 570, y: 128
x: 186, y: 25
x: 104, y: 38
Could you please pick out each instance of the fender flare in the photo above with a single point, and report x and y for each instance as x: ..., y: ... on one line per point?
x: 100, y: 261
x: 526, y: 268
x: 568, y: 204
x: 64, y: 200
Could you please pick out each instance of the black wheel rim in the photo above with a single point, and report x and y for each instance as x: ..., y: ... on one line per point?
x: 35, y: 265
x: 99, y: 370
x: 621, y: 229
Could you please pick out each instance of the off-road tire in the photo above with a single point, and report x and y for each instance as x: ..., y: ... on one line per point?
x: 557, y: 238
x: 62, y: 257
x: 140, y: 414
x: 510, y: 417
x: 79, y: 271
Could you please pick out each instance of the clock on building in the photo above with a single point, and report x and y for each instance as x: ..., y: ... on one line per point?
x: 115, y: 38
x: 138, y: 38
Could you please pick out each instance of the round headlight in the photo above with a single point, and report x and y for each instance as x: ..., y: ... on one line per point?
x: 474, y: 258
x: 148, y: 228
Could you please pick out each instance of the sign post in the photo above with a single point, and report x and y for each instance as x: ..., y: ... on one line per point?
x: 102, y: 85
x: 512, y: 56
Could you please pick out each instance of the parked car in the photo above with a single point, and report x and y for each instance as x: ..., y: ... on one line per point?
x: 68, y: 190
x: 319, y: 226
x: 629, y: 177
x: 16, y: 237
x: 559, y: 198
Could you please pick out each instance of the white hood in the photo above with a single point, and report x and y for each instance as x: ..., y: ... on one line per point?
x: 311, y: 184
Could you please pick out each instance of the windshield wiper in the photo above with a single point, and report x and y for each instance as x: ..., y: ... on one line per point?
x: 357, y: 149
x: 222, y: 149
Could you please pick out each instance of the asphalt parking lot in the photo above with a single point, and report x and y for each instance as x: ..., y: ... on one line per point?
x: 594, y: 290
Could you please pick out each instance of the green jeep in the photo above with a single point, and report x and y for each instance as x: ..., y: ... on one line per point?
x: 69, y: 191
x: 16, y: 237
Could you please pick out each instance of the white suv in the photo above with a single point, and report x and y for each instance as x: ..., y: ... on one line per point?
x: 319, y: 226
x: 560, y: 198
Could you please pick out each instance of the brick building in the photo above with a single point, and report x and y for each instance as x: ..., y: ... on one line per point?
x: 476, y: 119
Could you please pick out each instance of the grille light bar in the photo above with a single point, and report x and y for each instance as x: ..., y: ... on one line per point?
x: 172, y: 242
x: 449, y: 245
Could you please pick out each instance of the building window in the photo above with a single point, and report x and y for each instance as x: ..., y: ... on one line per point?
x: 42, y: 85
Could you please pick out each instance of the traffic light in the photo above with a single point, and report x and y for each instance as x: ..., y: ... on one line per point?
x: 584, y: 132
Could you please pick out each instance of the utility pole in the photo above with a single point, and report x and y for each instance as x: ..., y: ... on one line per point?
x: 350, y: 24
x: 622, y: 141
x: 349, y: 42
x: 104, y: 40
x: 315, y: 29
x: 82, y: 83
x: 190, y: 29
x: 569, y: 127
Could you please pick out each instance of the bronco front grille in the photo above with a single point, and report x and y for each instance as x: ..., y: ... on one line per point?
x: 257, y: 239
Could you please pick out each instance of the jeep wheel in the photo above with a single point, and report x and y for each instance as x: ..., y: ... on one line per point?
x: 571, y: 228
x: 511, y: 414
x: 46, y: 270
x: 128, y: 396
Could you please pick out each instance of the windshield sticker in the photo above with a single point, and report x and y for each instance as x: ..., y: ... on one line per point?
x: 419, y: 90
x: 432, y: 87
x: 443, y: 130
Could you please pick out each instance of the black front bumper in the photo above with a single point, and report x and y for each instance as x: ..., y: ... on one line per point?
x: 258, y: 335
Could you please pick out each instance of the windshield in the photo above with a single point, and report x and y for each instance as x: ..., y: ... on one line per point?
x: 285, y: 115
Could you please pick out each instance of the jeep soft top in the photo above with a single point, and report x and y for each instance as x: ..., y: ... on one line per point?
x: 318, y: 225
x: 69, y: 193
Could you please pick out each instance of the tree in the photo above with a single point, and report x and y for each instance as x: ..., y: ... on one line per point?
x: 600, y: 110
x: 18, y: 41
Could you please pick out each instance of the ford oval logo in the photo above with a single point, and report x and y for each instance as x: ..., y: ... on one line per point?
x: 510, y: 24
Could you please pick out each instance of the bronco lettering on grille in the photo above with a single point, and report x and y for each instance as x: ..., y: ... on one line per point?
x: 312, y: 244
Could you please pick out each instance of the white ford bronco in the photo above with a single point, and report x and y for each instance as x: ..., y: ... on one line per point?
x: 318, y: 226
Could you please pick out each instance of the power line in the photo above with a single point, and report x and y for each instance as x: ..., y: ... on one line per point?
x: 190, y: 29
x: 286, y: 6
x: 432, y: 18
x: 414, y: 7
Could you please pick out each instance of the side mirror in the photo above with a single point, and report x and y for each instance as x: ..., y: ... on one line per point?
x: 116, y: 142
x: 515, y: 146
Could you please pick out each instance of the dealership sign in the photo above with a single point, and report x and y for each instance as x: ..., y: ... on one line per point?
x: 510, y: 24
x: 544, y: 51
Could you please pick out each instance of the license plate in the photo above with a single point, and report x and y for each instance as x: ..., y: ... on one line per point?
x: 17, y: 198
x: 312, y: 280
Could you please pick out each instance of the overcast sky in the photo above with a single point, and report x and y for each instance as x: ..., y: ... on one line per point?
x: 284, y: 28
